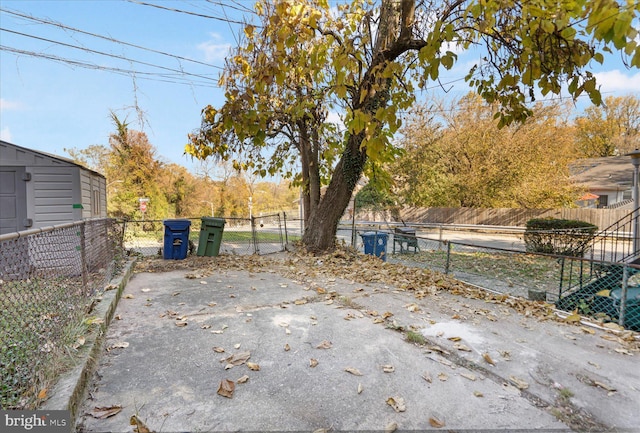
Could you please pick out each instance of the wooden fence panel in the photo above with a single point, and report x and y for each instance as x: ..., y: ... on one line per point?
x: 602, y: 218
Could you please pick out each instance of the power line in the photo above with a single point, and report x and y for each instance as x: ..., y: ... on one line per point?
x: 106, y: 54
x: 107, y: 38
x: 153, y: 76
x: 186, y: 12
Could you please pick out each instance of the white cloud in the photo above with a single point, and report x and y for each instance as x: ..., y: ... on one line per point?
x: 6, y: 105
x: 214, y: 49
x: 5, y: 134
x: 618, y: 81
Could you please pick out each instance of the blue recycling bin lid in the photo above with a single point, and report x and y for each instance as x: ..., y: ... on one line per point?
x: 177, y: 224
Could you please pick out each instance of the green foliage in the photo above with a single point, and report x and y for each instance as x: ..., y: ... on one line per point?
x: 559, y: 236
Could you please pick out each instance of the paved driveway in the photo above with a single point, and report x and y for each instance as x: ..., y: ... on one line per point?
x: 310, y: 345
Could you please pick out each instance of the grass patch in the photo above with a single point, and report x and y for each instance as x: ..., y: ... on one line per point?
x: 40, y: 326
x: 415, y: 337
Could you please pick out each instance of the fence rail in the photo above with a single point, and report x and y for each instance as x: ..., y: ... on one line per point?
x: 604, y: 290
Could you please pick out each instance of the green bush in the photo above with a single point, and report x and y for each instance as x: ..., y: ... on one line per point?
x: 559, y: 236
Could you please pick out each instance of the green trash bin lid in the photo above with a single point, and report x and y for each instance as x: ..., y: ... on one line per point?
x: 213, y: 222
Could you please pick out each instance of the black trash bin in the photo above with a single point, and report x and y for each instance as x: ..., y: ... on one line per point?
x: 176, y: 239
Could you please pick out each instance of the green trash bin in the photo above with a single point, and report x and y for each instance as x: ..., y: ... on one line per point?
x: 210, y: 236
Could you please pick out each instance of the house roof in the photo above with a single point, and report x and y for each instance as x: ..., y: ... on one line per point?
x: 609, y: 173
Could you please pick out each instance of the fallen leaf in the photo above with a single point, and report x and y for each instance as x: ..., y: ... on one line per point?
x: 287, y: 331
x: 623, y: 351
x: 217, y: 331
x: 175, y: 293
x: 387, y: 314
x: 436, y: 423
x: 42, y: 394
x: 594, y: 364
x: 353, y: 371
x: 478, y: 394
x: 300, y: 301
x: 79, y: 342
x: 146, y: 290
x: 243, y: 379
x: 313, y: 362
x: 443, y: 377
x: 397, y: 403
x: 181, y: 324
x: 118, y: 317
x: 454, y: 338
x: 587, y: 330
x: 462, y: 347
x: 426, y: 376
x: 253, y: 366
x: 519, y: 383
x: 572, y: 318
x: 468, y: 376
x: 378, y: 320
x: 236, y: 346
x: 205, y: 327
x: 413, y: 308
x: 218, y: 349
x: 226, y: 388
x: 118, y: 345
x: 488, y: 359
x: 360, y: 388
x: 287, y: 347
x: 614, y: 326
x: 324, y: 345
x: 140, y: 426
x: 128, y: 296
x: 391, y: 427
x: 238, y: 358
x: 105, y: 411
x: 388, y: 368
x: 212, y: 304
x: 604, y: 386
x: 321, y: 291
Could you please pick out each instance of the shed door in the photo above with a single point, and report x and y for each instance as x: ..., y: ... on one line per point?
x: 13, y: 200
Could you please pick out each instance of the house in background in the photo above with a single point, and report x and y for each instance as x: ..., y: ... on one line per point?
x: 608, y: 182
x: 40, y: 190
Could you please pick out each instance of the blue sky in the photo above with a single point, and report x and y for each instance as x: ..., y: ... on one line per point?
x: 52, y: 105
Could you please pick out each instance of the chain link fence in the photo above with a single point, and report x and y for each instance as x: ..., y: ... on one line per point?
x: 242, y: 236
x: 606, y: 291
x: 48, y: 279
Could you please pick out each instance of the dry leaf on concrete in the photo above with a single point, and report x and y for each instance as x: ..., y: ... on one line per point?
x: 253, y: 366
x: 436, y: 423
x: 140, y: 426
x: 391, y: 427
x: 238, y: 358
x: 313, y: 362
x: 388, y: 368
x: 218, y: 349
x: 360, y: 388
x: 353, y: 371
x: 443, y: 376
x: 488, y: 359
x: 226, y: 388
x: 243, y: 379
x: 519, y: 383
x: 397, y: 403
x: 324, y: 344
x: 105, y: 411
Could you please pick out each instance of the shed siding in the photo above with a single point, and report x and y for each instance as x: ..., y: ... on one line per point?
x: 54, y: 191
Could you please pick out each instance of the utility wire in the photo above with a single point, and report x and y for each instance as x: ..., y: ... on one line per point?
x: 186, y: 12
x: 107, y: 38
x: 106, y: 54
x: 154, y: 76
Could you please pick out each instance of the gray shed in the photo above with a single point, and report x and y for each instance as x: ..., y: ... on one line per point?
x: 40, y: 190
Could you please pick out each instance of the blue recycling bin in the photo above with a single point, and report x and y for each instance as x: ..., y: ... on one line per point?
x: 375, y: 244
x: 176, y: 239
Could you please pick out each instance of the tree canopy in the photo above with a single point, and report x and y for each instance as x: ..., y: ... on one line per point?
x: 367, y: 60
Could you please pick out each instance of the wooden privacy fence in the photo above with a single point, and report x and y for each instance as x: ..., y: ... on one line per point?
x: 602, y: 218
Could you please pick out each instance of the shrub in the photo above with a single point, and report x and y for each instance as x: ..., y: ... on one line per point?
x: 559, y: 236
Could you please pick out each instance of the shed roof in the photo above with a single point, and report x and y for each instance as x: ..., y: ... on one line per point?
x: 12, y: 154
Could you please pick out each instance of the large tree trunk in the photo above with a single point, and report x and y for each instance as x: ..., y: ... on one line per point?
x: 320, y: 234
